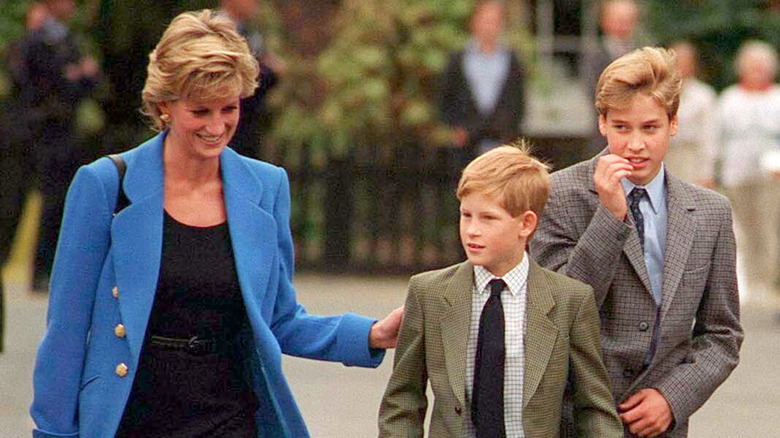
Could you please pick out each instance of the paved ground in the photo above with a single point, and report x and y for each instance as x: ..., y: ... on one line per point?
x: 342, y: 402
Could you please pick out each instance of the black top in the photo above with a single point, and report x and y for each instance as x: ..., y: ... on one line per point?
x: 176, y: 393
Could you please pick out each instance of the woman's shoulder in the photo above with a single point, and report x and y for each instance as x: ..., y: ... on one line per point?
x: 102, y: 168
x: 261, y: 169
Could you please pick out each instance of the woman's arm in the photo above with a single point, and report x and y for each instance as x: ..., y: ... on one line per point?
x: 81, y: 251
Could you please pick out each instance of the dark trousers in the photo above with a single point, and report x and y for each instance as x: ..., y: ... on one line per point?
x: 18, y: 177
x: 59, y: 160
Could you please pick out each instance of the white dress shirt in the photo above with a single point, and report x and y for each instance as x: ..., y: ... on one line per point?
x: 513, y: 299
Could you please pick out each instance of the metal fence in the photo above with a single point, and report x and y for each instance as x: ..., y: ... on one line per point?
x: 383, y: 209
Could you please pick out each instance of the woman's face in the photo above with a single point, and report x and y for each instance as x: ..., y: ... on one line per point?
x: 201, y: 128
x: 756, y: 71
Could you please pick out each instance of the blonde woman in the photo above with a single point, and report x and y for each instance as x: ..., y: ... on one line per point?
x: 170, y: 318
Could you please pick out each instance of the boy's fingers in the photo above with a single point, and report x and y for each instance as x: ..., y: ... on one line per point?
x: 631, y: 416
x: 632, y: 401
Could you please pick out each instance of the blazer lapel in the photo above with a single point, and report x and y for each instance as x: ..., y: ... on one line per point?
x: 633, y: 247
x: 455, y: 328
x: 636, y: 256
x: 540, y: 332
x: 136, y: 235
x: 680, y: 233
x: 253, y: 231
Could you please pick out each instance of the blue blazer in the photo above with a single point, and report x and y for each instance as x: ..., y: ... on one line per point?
x: 106, y: 272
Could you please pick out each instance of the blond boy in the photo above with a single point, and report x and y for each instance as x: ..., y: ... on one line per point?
x: 497, y: 373
x: 658, y: 252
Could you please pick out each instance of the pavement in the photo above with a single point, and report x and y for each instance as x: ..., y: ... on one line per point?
x: 338, y: 401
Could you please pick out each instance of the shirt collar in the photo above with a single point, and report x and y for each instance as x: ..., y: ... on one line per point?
x: 514, y: 279
x: 472, y: 48
x: 655, y: 188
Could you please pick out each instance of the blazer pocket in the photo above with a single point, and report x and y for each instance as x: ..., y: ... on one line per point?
x: 695, y: 280
x: 698, y: 270
x: 87, y: 382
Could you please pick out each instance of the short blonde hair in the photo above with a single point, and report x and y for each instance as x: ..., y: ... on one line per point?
x: 510, y: 175
x: 761, y: 50
x: 651, y: 71
x: 200, y: 56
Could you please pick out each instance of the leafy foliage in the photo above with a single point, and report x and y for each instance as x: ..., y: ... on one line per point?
x: 376, y: 81
x: 717, y: 27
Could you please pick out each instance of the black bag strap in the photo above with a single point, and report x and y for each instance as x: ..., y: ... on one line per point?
x: 121, y: 198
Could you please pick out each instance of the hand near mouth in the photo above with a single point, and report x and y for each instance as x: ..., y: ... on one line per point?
x: 610, y: 169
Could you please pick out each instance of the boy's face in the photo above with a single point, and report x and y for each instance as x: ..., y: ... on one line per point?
x: 639, y: 133
x: 491, y: 237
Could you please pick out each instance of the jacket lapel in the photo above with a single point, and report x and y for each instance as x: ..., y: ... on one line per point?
x: 540, y: 332
x: 455, y: 328
x: 136, y: 235
x: 636, y: 256
x: 253, y: 231
x: 680, y: 233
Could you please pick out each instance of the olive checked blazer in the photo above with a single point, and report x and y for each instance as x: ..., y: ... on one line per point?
x: 700, y: 333
x: 106, y: 272
x: 561, y: 345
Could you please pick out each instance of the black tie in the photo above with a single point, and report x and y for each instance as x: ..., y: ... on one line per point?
x: 634, y: 197
x: 487, y: 401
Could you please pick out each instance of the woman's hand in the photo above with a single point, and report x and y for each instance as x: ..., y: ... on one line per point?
x: 384, y: 333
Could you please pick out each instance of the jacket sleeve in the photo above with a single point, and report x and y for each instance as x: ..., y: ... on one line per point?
x: 717, y: 334
x: 591, y: 257
x: 450, y: 92
x: 403, y: 407
x: 81, y: 252
x: 509, y: 117
x: 594, y: 410
x: 342, y: 338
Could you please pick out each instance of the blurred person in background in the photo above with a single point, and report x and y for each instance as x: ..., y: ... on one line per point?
x: 246, y: 140
x: 618, y: 21
x: 749, y: 120
x: 169, y: 318
x: 692, y: 152
x: 58, y: 77
x: 17, y: 154
x: 482, y: 95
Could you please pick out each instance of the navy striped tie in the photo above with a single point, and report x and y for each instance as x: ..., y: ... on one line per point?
x: 634, y: 197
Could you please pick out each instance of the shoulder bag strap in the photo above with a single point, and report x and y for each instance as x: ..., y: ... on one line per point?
x: 121, y: 198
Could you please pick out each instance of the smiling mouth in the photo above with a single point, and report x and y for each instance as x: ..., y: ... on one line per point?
x: 474, y: 246
x: 211, y: 138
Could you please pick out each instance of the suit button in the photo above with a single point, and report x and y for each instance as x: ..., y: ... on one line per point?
x: 119, y: 331
x: 458, y: 410
x: 121, y: 370
x: 115, y: 292
x: 628, y: 373
x: 643, y: 326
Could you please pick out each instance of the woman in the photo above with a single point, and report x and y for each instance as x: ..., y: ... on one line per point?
x: 170, y: 318
x: 749, y: 121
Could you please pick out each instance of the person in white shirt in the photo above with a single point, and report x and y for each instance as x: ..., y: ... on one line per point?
x: 749, y: 120
x: 693, y: 151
